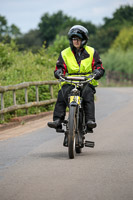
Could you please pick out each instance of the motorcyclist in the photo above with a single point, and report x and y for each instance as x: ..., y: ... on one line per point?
x: 77, y: 60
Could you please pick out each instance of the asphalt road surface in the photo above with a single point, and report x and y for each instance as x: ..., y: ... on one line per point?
x: 35, y: 166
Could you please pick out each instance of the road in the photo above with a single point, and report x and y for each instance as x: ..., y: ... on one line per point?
x: 35, y: 165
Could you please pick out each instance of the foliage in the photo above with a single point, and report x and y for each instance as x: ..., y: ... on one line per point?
x: 17, y: 67
x: 25, y: 67
x: 3, y: 25
x: 124, y: 40
x: 8, y: 32
x: 119, y: 62
x: 100, y: 37
x: 123, y: 16
x: 60, y: 43
x: 7, y: 55
x: 102, y: 40
x: 30, y: 40
x: 52, y: 25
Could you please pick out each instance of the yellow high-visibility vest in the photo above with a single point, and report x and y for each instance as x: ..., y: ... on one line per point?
x: 85, y: 67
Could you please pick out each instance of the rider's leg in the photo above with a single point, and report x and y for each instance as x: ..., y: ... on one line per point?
x: 60, y: 107
x: 89, y: 105
x: 59, y: 112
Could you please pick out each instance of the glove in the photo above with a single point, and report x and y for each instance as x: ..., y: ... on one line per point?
x: 58, y: 73
x: 97, y: 74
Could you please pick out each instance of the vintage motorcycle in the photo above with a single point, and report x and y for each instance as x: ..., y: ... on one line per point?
x: 75, y: 127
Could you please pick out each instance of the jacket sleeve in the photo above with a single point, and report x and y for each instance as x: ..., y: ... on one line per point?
x: 60, y: 64
x: 97, y: 63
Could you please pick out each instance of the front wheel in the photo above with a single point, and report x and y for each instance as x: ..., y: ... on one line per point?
x: 72, y: 128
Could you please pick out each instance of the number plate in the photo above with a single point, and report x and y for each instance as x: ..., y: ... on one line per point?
x: 75, y: 99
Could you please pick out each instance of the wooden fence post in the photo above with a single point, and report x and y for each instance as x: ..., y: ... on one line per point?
x: 26, y: 99
x: 14, y: 100
x: 51, y: 91
x: 14, y: 97
x: 2, y: 105
x: 37, y: 94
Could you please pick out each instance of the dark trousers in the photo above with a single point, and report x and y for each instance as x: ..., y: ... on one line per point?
x: 87, y: 93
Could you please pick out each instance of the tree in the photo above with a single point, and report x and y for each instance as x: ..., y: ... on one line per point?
x: 124, y: 40
x: 14, y: 31
x: 123, y: 16
x: 58, y: 23
x: 30, y: 40
x: 51, y: 25
x: 8, y: 32
x: 107, y: 33
x: 103, y: 39
x: 3, y: 25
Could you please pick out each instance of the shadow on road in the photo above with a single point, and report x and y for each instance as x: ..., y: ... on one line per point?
x: 92, y: 154
x: 55, y: 155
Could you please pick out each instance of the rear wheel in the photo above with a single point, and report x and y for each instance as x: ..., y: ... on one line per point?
x: 71, y: 135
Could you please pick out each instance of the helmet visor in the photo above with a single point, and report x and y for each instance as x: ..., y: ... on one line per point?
x: 75, y: 33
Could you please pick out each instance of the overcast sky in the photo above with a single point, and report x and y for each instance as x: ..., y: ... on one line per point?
x: 26, y: 14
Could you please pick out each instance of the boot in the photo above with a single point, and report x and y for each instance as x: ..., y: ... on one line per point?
x: 55, y: 124
x: 91, y: 124
x: 89, y: 130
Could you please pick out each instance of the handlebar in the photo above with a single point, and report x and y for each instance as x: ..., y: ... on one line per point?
x: 80, y: 79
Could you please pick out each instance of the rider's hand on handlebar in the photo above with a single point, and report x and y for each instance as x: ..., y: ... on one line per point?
x: 97, y: 74
x: 58, y: 73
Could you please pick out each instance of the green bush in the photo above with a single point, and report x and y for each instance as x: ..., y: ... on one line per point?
x: 17, y: 67
x: 7, y: 54
x: 60, y: 43
x: 119, y: 62
x: 124, y: 40
x: 26, y: 66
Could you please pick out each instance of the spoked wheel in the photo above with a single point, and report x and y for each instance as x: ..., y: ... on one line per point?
x: 71, y: 135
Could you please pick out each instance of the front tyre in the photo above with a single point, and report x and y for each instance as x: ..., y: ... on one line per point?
x: 72, y: 128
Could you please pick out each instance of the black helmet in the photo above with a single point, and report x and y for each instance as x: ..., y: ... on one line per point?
x: 80, y: 32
